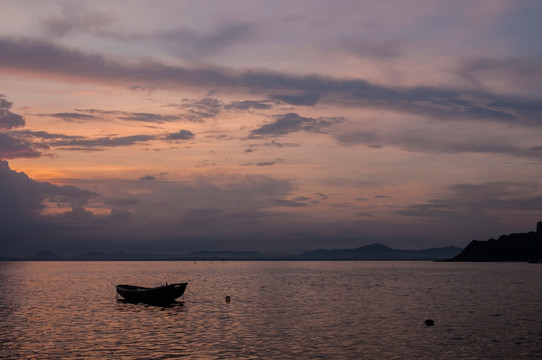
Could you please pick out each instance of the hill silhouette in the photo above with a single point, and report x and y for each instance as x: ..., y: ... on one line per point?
x: 369, y: 252
x: 512, y: 247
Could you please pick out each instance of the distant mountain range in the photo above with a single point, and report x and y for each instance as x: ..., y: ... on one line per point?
x: 370, y: 252
x: 512, y: 247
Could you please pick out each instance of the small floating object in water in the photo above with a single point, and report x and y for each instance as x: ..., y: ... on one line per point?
x: 228, y: 299
x: 429, y: 322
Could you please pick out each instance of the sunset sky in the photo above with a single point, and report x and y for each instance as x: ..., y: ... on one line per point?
x: 174, y: 126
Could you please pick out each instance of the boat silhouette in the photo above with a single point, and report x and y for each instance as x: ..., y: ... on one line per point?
x: 156, y: 295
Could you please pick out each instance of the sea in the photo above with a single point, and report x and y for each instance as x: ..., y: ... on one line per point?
x: 277, y: 310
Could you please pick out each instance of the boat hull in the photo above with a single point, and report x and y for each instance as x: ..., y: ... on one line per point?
x: 160, y: 294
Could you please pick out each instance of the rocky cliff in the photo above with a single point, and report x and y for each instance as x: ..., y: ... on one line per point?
x: 513, y: 247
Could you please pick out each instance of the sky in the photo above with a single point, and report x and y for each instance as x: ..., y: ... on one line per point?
x: 272, y: 126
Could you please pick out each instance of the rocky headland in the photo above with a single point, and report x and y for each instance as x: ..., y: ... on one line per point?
x: 512, y: 247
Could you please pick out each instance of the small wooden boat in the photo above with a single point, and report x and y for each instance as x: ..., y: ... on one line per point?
x: 160, y: 294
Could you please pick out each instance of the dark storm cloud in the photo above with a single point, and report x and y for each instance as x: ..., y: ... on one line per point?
x: 12, y: 148
x: 292, y: 122
x: 8, y: 120
x: 181, y: 135
x: 434, y: 102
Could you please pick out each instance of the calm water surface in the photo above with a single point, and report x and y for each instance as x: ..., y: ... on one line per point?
x: 278, y: 310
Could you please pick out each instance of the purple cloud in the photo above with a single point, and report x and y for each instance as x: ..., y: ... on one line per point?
x: 12, y: 148
x: 292, y: 122
x: 434, y: 102
x: 181, y: 135
x: 8, y: 120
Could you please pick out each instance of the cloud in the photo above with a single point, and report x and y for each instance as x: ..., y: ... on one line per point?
x: 122, y: 201
x: 449, y: 138
x: 12, y: 148
x: 72, y: 142
x: 201, y: 109
x: 486, y: 197
x: 308, y: 98
x: 292, y: 122
x: 8, y: 120
x: 358, y: 137
x: 33, y: 140
x: 43, y: 135
x: 270, y: 163
x: 191, y: 44
x: 289, y: 203
x: 434, y: 102
x: 120, y: 215
x: 148, y: 117
x: 247, y: 105
x: 73, y: 117
x: 76, y: 18
x: 96, y: 114
x: 322, y: 196
x: 382, y: 197
x: 102, y: 142
x: 23, y: 199
x: 369, y: 48
x: 507, y: 75
x: 181, y: 135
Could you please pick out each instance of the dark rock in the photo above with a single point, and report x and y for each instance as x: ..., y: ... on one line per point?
x: 512, y: 247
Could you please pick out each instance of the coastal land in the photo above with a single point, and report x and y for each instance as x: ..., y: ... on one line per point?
x: 512, y: 247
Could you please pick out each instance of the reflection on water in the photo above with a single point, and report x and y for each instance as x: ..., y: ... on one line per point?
x: 371, y: 310
x: 157, y: 304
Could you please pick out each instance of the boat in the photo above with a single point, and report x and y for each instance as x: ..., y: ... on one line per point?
x: 160, y: 294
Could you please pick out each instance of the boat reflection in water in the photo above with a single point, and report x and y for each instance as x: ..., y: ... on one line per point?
x: 164, y: 294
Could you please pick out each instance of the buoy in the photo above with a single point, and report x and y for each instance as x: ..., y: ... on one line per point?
x: 429, y: 322
x: 228, y: 299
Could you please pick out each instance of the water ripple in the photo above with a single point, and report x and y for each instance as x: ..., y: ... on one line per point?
x: 278, y: 310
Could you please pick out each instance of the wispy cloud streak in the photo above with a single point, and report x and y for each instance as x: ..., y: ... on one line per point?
x: 44, y: 57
